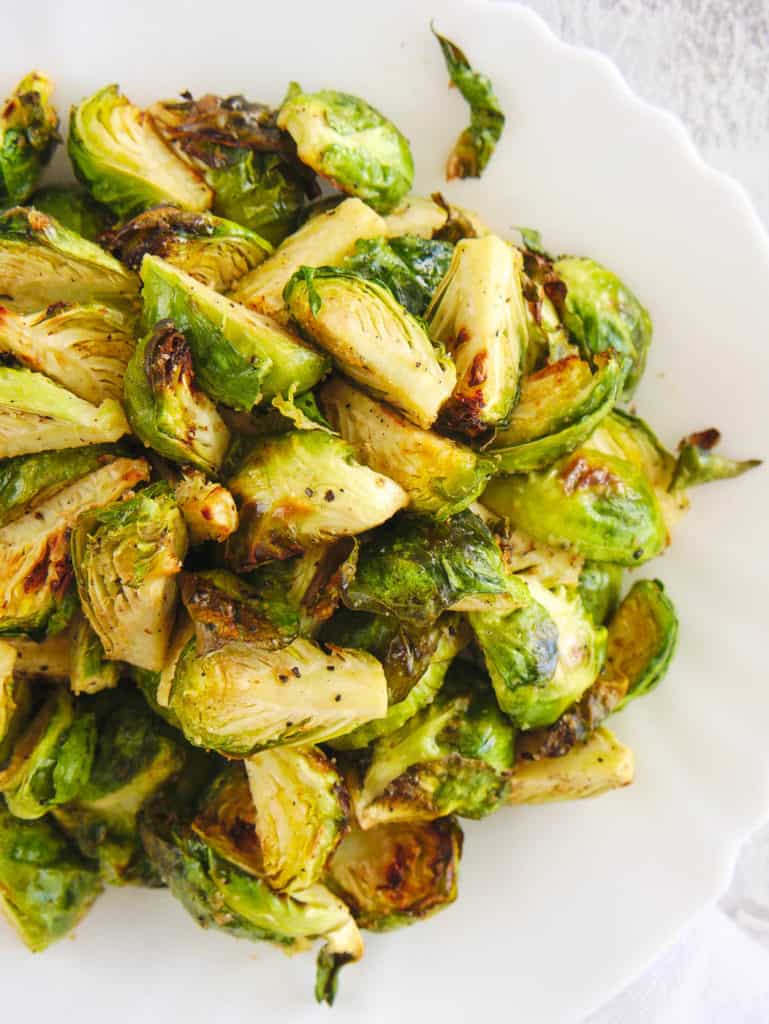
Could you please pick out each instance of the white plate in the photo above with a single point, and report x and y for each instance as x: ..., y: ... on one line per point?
x: 559, y: 905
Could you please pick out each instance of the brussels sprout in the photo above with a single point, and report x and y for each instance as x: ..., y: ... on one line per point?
x: 46, y: 887
x: 541, y: 657
x: 74, y: 209
x: 559, y: 409
x: 599, y: 588
x: 473, y: 149
x: 42, y: 263
x: 453, y: 757
x: 215, y: 252
x: 352, y: 145
x: 209, y: 509
x: 156, y: 686
x: 126, y: 557
x: 49, y: 659
x: 15, y: 700
x: 280, y: 819
x: 240, y: 356
x: 241, y: 699
x: 300, y: 488
x: 479, y: 313
x: 29, y: 132
x: 602, y: 313
x: 600, y: 505
x: 323, y: 241
x: 453, y: 636
x: 411, y: 267
x: 552, y: 567
x: 118, y: 153
x: 440, y: 476
x: 36, y: 596
x: 89, y: 670
x: 594, y: 766
x: 396, y: 874
x: 416, y: 215
x: 697, y: 463
x: 165, y: 406
x: 416, y: 568
x: 83, y: 348
x: 372, y: 339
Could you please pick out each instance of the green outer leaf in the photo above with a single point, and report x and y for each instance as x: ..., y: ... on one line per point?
x: 599, y: 589
x: 697, y: 465
x: 653, y: 650
x: 29, y: 133
x: 410, y: 266
x: 254, y: 189
x: 73, y: 207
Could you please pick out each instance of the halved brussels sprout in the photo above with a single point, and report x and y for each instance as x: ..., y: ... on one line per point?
x: 49, y: 659
x: 240, y: 356
x: 599, y: 589
x: 416, y: 568
x: 560, y: 407
x: 84, y: 348
x: 541, y: 657
x: 602, y: 313
x: 373, y: 340
x: 42, y: 263
x: 280, y: 819
x: 241, y: 699
x: 89, y: 670
x: 348, y: 142
x: 36, y: 593
x: 209, y: 509
x: 399, y: 873
x: 118, y: 153
x: 453, y: 757
x: 73, y: 208
x: 600, y: 505
x: 594, y: 766
x: 410, y: 266
x: 524, y: 556
x: 479, y: 313
x: 416, y: 215
x: 214, y: 251
x: 697, y: 463
x: 323, y: 241
x: 300, y: 488
x: 440, y: 476
x: 46, y: 887
x: 29, y: 132
x: 165, y: 406
x: 126, y: 557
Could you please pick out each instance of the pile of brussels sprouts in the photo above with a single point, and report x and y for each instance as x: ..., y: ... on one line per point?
x: 314, y: 512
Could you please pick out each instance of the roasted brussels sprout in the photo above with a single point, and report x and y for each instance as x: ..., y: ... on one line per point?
x: 594, y: 766
x: 323, y: 241
x: 118, y: 153
x: 73, y: 208
x: 84, y: 348
x: 440, y: 476
x: 209, y: 509
x: 697, y: 463
x: 416, y: 568
x: 126, y: 557
x: 479, y: 313
x: 396, y: 874
x: 453, y: 757
x: 599, y: 588
x: 46, y: 887
x: 241, y: 699
x: 560, y: 407
x: 36, y: 595
x: 240, y: 356
x: 602, y: 313
x: 348, y: 142
x: 165, y: 406
x: 89, y: 670
x: 373, y: 340
x: 300, y: 488
x: 416, y: 215
x: 15, y: 700
x: 473, y: 149
x: 524, y: 556
x: 215, y: 252
x: 29, y: 132
x: 50, y: 659
x: 411, y: 267
x: 43, y: 263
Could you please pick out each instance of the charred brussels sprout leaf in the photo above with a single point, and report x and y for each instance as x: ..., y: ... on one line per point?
x: 120, y: 156
x: 347, y: 141
x: 89, y: 670
x: 697, y: 463
x: 301, y: 488
x: 599, y: 588
x: 473, y: 149
x: 440, y: 476
x: 167, y: 409
x: 240, y: 356
x: 209, y: 509
x: 46, y: 887
x: 73, y: 208
x: 478, y: 312
x: 373, y: 340
x: 126, y: 557
x: 594, y: 766
x: 410, y: 266
x: 241, y: 699
x: 396, y: 874
x: 29, y: 132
